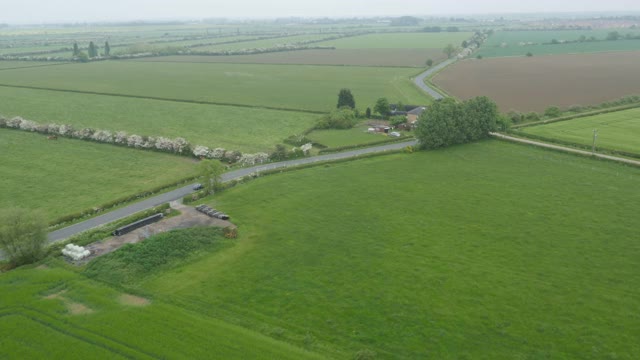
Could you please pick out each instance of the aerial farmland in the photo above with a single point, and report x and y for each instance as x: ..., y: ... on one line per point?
x: 364, y: 216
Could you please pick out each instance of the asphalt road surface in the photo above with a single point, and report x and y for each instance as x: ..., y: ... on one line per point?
x: 419, y: 81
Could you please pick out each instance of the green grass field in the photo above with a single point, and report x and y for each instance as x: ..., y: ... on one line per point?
x: 234, y: 128
x: 492, y: 47
x: 282, y: 86
x: 616, y: 131
x: 489, y: 250
x: 66, y: 176
x: 400, y: 41
x: 484, y: 251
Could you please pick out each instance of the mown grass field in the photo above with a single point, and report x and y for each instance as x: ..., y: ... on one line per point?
x: 536, y: 83
x: 616, y: 131
x: 67, y: 176
x: 400, y: 41
x: 489, y: 250
x: 281, y: 86
x: 229, y: 127
x: 493, y: 47
x: 53, y: 312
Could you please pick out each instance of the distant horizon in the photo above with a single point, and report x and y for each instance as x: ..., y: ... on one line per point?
x: 39, y: 12
x: 567, y: 14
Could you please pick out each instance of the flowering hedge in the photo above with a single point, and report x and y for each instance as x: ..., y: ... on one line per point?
x: 178, y: 146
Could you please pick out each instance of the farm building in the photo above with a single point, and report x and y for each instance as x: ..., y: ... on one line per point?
x: 413, y: 115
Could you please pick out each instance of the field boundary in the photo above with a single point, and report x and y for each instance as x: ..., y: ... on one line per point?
x: 577, y: 116
x: 261, y: 63
x: 200, y: 102
x: 32, y: 66
x: 574, y: 145
x: 566, y: 149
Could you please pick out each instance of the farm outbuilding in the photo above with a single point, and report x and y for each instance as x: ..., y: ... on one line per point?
x: 413, y: 115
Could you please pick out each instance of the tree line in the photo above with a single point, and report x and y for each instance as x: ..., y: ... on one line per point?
x: 93, y: 51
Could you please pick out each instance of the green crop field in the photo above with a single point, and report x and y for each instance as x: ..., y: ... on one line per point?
x: 616, y: 131
x: 229, y: 127
x: 280, y: 86
x: 65, y: 176
x: 489, y: 250
x: 515, y: 43
x: 400, y: 41
x: 52, y: 312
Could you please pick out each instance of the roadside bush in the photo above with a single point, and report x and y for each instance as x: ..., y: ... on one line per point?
x: 552, y: 111
x: 532, y: 116
x: 343, y: 118
x: 22, y: 235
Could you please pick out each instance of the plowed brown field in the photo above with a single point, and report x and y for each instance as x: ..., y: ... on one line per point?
x: 535, y: 83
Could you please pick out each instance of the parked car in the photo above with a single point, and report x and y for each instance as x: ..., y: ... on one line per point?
x: 395, y: 134
x: 197, y: 186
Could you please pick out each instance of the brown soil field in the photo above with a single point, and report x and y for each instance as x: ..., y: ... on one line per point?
x: 354, y: 57
x: 535, y: 83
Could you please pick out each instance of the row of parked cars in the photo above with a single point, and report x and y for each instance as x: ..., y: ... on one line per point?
x: 212, y: 212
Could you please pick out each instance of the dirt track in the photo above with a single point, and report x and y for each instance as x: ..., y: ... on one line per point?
x: 535, y: 83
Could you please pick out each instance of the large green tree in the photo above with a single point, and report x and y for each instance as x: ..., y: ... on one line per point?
x: 107, y: 48
x: 448, y: 122
x: 76, y: 51
x: 93, y: 50
x: 345, y: 99
x: 210, y: 172
x: 449, y: 50
x: 23, y: 234
x: 382, y: 107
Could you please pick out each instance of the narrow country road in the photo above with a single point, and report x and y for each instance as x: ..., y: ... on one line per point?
x: 565, y: 149
x: 112, y: 216
x: 419, y: 80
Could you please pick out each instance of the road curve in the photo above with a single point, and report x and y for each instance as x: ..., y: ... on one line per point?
x: 118, y: 214
x: 419, y: 80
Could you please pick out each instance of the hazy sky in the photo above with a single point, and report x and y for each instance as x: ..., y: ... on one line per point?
x: 38, y: 11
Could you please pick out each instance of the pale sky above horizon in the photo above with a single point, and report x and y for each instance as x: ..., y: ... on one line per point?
x: 48, y: 11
